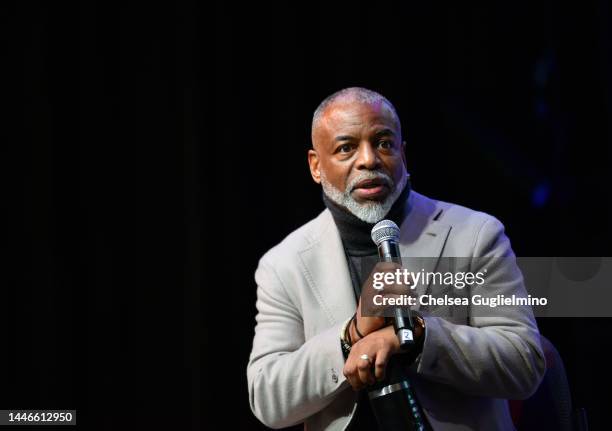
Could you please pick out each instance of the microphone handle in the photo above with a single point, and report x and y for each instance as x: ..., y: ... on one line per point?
x: 393, y: 400
x: 388, y: 251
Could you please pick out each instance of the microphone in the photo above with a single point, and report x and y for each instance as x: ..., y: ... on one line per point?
x: 393, y: 400
x: 385, y: 235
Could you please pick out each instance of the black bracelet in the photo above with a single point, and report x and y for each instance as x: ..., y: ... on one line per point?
x: 355, y: 325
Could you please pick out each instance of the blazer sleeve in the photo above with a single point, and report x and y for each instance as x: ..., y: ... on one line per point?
x: 289, y: 378
x: 499, y: 353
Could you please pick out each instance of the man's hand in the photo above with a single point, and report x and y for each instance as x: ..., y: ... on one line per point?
x: 379, y: 346
x: 369, y: 318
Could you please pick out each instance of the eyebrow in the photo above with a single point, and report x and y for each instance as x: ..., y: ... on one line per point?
x: 343, y: 138
x: 384, y: 132
x: 380, y: 133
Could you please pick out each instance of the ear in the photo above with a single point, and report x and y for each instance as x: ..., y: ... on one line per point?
x: 313, y: 163
x: 404, y: 154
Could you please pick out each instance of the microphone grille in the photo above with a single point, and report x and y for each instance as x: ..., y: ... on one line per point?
x: 385, y: 230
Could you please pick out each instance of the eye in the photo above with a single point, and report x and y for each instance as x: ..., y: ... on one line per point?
x: 385, y: 144
x: 344, y: 148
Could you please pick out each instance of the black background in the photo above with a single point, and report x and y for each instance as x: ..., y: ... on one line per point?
x: 155, y: 152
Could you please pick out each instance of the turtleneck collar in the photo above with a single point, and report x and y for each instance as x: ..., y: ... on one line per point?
x: 355, y: 233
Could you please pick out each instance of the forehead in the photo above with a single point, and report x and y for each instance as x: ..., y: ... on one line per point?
x: 358, y: 117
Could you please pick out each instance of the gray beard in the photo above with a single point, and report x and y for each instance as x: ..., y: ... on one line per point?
x: 369, y: 212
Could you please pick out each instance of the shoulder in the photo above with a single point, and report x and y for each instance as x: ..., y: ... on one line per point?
x: 471, y: 228
x: 452, y: 214
x: 459, y: 217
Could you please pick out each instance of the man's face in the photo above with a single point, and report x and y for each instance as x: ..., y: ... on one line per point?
x: 358, y: 157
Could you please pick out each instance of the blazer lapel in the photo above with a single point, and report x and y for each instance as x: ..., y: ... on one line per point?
x: 325, y: 268
x: 422, y: 240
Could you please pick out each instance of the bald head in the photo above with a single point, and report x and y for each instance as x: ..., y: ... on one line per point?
x: 346, y: 98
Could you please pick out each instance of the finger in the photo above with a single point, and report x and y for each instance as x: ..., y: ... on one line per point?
x: 394, y: 296
x: 380, y: 366
x: 392, y: 281
x: 386, y: 266
x: 381, y: 268
x: 397, y: 289
x: 369, y: 307
x: 386, y: 304
x: 364, y: 370
x: 350, y: 372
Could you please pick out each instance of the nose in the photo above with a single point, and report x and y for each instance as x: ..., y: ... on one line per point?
x: 367, y: 158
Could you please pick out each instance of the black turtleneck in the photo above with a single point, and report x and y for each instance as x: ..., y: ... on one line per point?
x: 356, y: 235
x: 361, y: 250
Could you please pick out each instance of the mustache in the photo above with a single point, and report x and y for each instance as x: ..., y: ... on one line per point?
x: 370, y: 175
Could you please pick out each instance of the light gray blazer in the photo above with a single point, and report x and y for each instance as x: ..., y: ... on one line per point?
x: 469, y: 366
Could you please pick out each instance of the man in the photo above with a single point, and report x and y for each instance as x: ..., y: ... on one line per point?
x: 309, y: 288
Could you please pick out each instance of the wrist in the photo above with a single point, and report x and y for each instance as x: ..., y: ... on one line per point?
x: 354, y: 332
x: 362, y: 327
x: 346, y: 341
